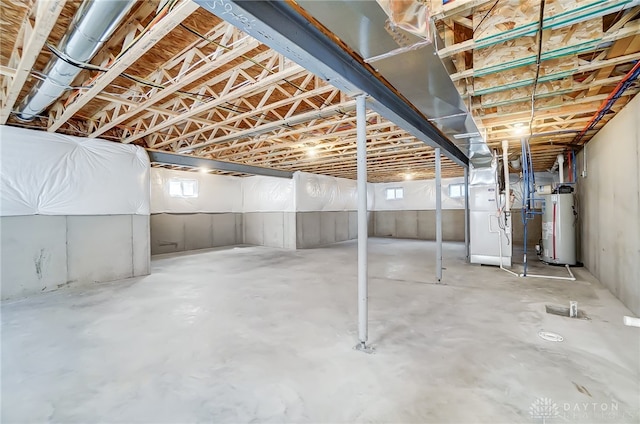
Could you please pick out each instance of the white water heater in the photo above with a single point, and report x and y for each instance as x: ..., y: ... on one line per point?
x: 559, y: 227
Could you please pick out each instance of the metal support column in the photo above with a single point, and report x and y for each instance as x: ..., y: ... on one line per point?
x: 438, y: 218
x: 362, y: 223
x: 467, y: 253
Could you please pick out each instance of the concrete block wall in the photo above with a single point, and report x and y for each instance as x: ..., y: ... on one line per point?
x: 42, y: 253
x: 191, y: 231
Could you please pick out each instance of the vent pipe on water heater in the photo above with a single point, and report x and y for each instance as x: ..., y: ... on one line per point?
x: 560, y: 160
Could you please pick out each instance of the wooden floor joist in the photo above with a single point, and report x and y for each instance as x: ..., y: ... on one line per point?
x: 186, y: 81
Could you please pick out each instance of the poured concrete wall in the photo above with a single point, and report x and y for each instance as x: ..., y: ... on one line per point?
x: 273, y: 229
x: 609, y: 206
x: 42, y: 253
x: 534, y: 229
x: 315, y: 229
x: 192, y: 231
x: 419, y: 224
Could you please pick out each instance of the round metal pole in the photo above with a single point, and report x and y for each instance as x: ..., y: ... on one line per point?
x: 362, y: 220
x: 438, y: 218
x: 466, y: 214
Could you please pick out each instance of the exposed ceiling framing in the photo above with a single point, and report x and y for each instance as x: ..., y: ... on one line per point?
x: 187, y: 82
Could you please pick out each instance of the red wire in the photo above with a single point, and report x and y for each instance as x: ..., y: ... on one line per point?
x: 604, y: 103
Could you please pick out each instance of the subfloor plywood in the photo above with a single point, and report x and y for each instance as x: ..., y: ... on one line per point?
x: 259, y: 334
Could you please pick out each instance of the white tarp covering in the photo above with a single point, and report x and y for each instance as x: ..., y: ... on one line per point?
x: 417, y: 195
x: 324, y: 193
x: 267, y: 194
x: 214, y: 193
x: 45, y: 173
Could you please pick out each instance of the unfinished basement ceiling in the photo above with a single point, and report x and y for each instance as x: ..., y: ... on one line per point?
x: 176, y: 78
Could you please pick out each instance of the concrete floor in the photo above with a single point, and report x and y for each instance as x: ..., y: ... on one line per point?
x: 258, y: 334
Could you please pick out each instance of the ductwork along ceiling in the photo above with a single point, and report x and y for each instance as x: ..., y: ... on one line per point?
x: 173, y: 76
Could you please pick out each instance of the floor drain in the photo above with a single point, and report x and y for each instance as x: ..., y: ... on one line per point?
x: 551, y: 337
x: 563, y: 312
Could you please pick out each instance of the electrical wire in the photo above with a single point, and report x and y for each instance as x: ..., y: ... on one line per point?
x: 198, y: 34
x: 538, y: 60
x: 165, y: 9
x: 192, y: 95
x: 188, y: 94
x: 485, y: 16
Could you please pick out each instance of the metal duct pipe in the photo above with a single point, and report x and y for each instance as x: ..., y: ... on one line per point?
x: 94, y: 22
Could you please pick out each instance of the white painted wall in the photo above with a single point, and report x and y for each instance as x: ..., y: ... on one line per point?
x: 609, y: 205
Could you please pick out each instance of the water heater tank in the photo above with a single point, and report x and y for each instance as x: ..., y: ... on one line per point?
x: 559, y: 228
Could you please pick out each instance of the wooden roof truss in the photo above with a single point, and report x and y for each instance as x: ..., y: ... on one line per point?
x: 185, y: 81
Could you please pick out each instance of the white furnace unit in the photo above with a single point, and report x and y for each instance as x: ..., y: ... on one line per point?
x: 490, y: 225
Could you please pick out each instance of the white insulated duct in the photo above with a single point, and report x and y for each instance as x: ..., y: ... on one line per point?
x: 94, y: 22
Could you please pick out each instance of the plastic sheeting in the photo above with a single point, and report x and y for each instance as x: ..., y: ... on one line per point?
x: 324, y: 193
x: 417, y: 195
x: 216, y: 193
x: 46, y: 173
x: 221, y: 193
x: 411, y: 16
x: 268, y: 194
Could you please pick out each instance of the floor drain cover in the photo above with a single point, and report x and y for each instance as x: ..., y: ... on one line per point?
x: 551, y: 337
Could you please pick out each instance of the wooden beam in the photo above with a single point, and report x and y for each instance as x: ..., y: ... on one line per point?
x: 46, y: 15
x: 146, y: 42
x: 581, y: 106
x: 186, y: 79
x: 258, y: 111
x: 616, y: 50
x: 458, y: 7
x: 630, y: 29
x: 295, y: 120
x: 242, y: 91
x: 581, y: 68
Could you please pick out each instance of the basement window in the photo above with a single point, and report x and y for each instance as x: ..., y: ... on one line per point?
x: 456, y: 191
x: 394, y: 193
x: 179, y: 187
